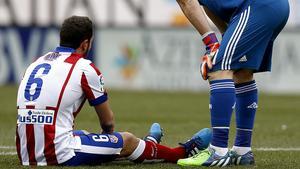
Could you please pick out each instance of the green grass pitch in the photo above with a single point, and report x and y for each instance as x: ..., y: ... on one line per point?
x: 181, y: 114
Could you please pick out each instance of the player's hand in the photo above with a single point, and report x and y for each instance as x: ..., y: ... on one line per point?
x: 212, y: 45
x: 107, y: 128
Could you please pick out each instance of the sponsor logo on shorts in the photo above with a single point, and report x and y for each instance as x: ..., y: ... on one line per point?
x: 32, y: 116
x: 243, y: 59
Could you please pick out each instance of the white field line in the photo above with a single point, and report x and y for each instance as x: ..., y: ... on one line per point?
x: 277, y: 149
x: 7, y: 147
x: 256, y: 149
x: 8, y: 153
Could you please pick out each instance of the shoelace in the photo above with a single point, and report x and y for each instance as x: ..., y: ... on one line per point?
x: 197, y: 141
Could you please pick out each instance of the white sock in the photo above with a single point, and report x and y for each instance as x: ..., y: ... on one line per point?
x: 241, y: 150
x: 220, y: 151
x: 138, y: 151
x: 150, y: 138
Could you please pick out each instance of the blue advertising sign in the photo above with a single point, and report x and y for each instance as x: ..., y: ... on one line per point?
x: 19, y: 46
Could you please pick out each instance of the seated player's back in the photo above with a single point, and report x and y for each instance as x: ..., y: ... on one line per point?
x: 49, y: 97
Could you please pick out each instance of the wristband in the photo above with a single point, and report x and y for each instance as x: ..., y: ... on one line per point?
x: 209, y: 38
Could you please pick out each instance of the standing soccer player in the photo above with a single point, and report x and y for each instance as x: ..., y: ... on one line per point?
x: 249, y: 28
x: 51, y: 94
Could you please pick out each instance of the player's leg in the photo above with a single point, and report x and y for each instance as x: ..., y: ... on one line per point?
x: 245, y: 109
x: 246, y: 90
x: 222, y: 100
x: 138, y: 150
x: 99, y: 148
x: 94, y: 149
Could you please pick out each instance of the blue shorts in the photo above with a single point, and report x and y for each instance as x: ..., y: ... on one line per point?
x: 96, y: 148
x: 248, y: 40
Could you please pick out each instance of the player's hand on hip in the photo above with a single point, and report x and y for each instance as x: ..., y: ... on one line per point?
x: 212, y: 45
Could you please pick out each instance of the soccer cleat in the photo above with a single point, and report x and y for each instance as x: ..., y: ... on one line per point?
x: 246, y: 159
x: 155, y: 133
x: 198, y: 142
x: 207, y: 157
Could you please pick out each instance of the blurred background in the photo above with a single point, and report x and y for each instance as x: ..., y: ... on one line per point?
x: 139, y: 44
x: 149, y: 55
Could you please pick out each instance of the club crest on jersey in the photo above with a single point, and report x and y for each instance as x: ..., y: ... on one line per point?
x: 113, y: 139
x: 32, y: 116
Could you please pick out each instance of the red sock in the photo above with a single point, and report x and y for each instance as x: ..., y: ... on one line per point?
x: 157, y: 151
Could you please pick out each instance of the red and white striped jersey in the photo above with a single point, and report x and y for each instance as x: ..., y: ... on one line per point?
x: 51, y: 93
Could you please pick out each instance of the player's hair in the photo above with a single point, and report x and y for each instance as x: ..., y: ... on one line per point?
x: 75, y: 30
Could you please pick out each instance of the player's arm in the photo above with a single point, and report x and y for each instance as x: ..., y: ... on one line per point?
x: 195, y: 14
x: 105, y: 116
x: 221, y: 25
x: 93, y: 87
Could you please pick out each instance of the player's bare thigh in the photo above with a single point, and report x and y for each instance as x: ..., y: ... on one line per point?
x: 239, y: 76
x: 221, y: 74
x: 243, y: 76
x: 130, y: 143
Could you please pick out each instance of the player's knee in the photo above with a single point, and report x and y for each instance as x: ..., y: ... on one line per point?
x: 243, y: 76
x: 222, y: 74
x: 128, y: 137
x: 130, y: 142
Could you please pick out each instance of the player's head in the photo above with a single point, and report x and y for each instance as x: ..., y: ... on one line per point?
x: 77, y: 32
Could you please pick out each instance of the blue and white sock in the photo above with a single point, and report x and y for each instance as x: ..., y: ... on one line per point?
x: 246, y: 105
x: 222, y: 101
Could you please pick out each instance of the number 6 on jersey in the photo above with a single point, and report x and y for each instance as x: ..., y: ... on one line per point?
x: 36, y: 80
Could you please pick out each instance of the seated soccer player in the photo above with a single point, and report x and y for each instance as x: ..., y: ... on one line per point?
x: 51, y: 94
